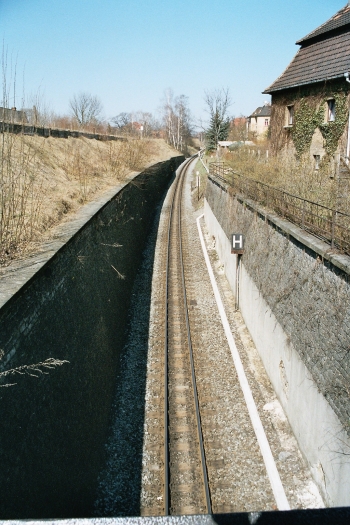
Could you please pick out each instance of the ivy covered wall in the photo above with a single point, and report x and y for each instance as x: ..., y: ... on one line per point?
x: 310, y: 119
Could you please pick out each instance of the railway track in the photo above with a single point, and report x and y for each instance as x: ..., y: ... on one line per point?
x: 186, y: 488
x: 195, y: 461
x: 174, y: 469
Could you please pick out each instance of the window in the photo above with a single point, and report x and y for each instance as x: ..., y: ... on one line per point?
x: 317, y: 159
x: 331, y: 110
x: 290, y: 120
x: 266, y: 122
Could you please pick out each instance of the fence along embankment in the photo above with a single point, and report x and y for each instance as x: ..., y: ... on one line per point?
x: 73, y: 305
x: 294, y: 295
x: 41, y: 131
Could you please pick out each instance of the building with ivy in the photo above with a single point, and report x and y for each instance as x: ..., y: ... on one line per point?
x: 310, y: 99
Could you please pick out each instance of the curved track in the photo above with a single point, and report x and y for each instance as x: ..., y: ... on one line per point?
x: 186, y: 489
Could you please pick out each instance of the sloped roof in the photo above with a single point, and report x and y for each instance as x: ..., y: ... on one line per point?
x: 256, y: 112
x: 340, y: 19
x: 324, y: 55
x: 264, y: 111
x: 316, y: 62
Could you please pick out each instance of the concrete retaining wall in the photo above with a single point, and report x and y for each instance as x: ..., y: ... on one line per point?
x: 296, y: 305
x: 69, y: 302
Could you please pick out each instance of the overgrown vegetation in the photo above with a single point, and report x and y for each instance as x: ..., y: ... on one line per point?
x: 21, y: 191
x: 332, y: 131
x: 308, y: 119
x: 42, y: 180
x: 296, y: 176
x: 310, y: 115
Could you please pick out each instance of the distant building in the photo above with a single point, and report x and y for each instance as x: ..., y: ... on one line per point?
x: 13, y: 115
x: 238, y: 129
x: 259, y: 121
x: 310, y: 99
x: 238, y: 122
x: 137, y: 126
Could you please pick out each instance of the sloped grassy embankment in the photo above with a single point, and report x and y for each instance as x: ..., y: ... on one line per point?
x: 43, y: 181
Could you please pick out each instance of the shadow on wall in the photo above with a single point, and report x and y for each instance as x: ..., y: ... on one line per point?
x: 54, y: 427
x: 120, y: 481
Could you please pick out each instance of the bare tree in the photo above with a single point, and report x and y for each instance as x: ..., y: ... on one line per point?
x: 136, y: 123
x: 184, y: 124
x: 218, y: 102
x: 122, y: 120
x: 86, y: 108
x: 177, y: 120
x: 147, y: 121
x: 38, y: 111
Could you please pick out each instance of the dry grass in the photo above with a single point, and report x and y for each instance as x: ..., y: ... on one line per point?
x: 297, y: 177
x: 42, y: 181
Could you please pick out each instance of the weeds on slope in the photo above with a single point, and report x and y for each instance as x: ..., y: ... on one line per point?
x: 300, y: 177
x: 21, y: 192
x: 43, y: 179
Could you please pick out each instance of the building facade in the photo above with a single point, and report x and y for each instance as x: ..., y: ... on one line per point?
x: 258, y: 122
x: 310, y: 99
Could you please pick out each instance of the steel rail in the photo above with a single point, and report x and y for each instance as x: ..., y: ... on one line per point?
x: 194, y: 383
x: 166, y: 366
x: 179, y: 185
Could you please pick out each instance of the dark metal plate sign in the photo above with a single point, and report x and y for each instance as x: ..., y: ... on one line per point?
x: 237, y: 244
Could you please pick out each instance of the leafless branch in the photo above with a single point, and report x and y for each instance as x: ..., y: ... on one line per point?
x: 32, y: 370
x: 120, y: 276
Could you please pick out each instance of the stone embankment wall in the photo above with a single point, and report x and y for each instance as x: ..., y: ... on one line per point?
x: 12, y: 127
x: 69, y: 302
x: 295, y: 298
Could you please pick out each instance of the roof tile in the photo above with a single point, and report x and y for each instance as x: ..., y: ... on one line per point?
x: 340, y: 19
x: 264, y: 111
x: 316, y: 62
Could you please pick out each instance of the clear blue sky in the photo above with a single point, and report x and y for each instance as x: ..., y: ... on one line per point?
x: 128, y: 52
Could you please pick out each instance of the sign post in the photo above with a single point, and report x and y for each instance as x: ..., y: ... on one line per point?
x: 237, y: 248
x: 237, y: 244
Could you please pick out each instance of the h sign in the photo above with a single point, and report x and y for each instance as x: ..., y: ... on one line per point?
x: 237, y: 245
